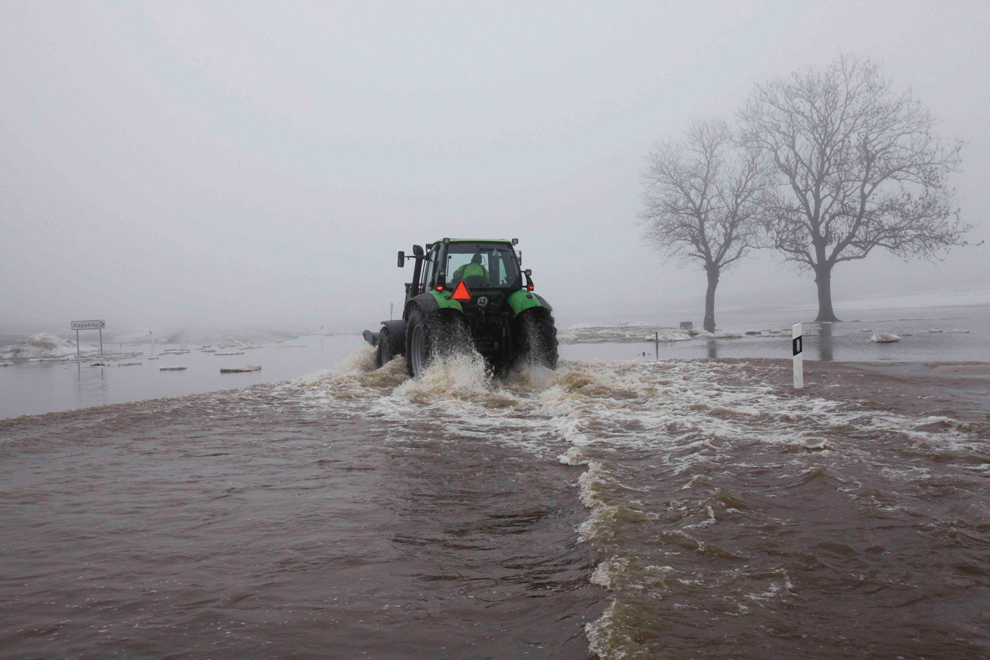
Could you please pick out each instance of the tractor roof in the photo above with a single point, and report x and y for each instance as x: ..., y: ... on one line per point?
x: 475, y: 240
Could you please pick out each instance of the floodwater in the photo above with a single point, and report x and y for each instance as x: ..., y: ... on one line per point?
x: 650, y: 509
x: 133, y: 372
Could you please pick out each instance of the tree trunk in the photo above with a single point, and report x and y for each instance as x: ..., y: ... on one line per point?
x: 823, y: 278
x: 709, y: 323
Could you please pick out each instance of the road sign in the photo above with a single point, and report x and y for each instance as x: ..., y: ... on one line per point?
x: 88, y: 325
x: 97, y: 324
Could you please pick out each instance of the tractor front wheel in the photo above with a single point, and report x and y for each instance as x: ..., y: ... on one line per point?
x: 385, y: 351
x: 417, y: 345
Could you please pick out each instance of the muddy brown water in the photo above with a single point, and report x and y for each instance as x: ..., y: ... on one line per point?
x: 674, y: 509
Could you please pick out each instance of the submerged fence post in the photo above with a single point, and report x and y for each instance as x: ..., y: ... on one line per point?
x: 797, y: 347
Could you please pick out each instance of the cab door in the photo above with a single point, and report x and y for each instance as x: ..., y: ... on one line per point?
x: 429, y: 269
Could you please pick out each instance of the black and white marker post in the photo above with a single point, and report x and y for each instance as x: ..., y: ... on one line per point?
x: 797, y: 347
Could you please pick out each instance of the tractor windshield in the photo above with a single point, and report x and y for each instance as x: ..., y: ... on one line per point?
x: 481, y: 265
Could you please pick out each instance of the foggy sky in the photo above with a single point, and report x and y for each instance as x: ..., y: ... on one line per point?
x: 258, y: 165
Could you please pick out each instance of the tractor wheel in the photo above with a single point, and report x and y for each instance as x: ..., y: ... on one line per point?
x: 385, y: 351
x: 418, y: 353
x: 428, y: 337
x: 536, y: 335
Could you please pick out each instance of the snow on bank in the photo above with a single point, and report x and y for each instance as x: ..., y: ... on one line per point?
x: 704, y: 334
x: 40, y: 346
x: 583, y: 333
x: 622, y: 334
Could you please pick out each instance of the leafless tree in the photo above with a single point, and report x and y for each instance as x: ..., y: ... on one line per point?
x: 858, y: 165
x: 701, y: 201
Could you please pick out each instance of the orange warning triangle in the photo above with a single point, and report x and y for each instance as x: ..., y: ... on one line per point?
x: 461, y: 293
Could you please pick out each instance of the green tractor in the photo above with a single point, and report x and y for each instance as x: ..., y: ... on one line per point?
x: 468, y: 293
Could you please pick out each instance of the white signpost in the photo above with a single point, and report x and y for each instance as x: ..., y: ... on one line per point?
x: 89, y: 325
x: 797, y: 347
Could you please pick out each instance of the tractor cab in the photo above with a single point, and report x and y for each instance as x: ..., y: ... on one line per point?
x: 481, y: 265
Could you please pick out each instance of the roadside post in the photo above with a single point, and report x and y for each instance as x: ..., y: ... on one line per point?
x: 89, y: 325
x: 797, y: 348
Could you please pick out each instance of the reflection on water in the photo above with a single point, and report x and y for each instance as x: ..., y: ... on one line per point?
x: 91, y: 386
x: 712, y: 349
x: 825, y: 342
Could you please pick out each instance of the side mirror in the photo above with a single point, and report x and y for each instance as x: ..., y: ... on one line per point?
x: 402, y: 258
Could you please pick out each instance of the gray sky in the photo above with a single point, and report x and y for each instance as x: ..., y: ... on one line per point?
x: 260, y: 164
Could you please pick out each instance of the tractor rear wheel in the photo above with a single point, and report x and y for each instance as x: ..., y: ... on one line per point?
x: 430, y: 336
x: 536, y: 336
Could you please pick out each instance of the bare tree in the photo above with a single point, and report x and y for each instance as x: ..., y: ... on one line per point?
x: 859, y: 167
x: 701, y: 200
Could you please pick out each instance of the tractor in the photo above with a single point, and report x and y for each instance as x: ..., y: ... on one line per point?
x: 468, y: 294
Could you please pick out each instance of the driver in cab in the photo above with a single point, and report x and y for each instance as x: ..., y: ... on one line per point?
x: 469, y: 272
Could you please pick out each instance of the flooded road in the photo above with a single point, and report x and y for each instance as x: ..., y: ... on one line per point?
x: 667, y: 509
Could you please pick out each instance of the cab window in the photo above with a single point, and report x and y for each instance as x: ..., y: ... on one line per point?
x: 481, y: 264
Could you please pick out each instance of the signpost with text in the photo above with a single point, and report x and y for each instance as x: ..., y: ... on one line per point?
x: 89, y: 325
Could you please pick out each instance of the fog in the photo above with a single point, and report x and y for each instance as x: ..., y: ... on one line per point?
x: 258, y: 166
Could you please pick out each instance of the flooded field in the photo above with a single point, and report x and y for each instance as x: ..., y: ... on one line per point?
x: 614, y: 509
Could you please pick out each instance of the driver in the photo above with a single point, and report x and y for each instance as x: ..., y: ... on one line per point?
x: 471, y: 269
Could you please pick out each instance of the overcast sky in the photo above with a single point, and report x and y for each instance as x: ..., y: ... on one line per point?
x: 259, y: 165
